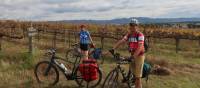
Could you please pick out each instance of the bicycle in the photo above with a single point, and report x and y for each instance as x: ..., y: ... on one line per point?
x: 50, y: 70
x: 71, y: 54
x: 113, y: 77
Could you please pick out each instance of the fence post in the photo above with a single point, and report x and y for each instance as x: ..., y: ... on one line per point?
x: 102, y: 42
x: 75, y: 35
x: 69, y: 38
x: 24, y: 33
x: 148, y: 40
x: 54, y: 39
x: 31, y: 32
x: 65, y: 40
x: 30, y: 44
x: 38, y: 35
x: 199, y: 41
x: 1, y: 42
x: 177, y: 44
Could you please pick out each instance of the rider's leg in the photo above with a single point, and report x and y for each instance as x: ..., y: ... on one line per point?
x: 138, y: 70
x: 84, y: 51
x: 138, y: 83
x: 84, y: 54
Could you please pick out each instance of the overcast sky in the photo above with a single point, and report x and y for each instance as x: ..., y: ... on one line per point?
x: 97, y: 9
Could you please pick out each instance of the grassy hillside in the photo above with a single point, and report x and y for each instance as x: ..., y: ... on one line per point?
x: 16, y: 65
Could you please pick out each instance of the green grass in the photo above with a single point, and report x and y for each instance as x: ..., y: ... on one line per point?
x: 187, y: 54
x: 16, y: 65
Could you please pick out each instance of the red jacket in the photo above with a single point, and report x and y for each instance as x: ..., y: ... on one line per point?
x: 133, y: 41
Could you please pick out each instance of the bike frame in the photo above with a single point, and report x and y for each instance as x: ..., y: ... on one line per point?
x: 119, y: 63
x: 54, y: 62
x: 122, y: 71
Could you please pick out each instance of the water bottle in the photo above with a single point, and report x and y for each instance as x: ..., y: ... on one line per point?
x: 63, y: 66
x: 65, y: 69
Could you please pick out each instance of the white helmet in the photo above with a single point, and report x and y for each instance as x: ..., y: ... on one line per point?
x: 134, y: 21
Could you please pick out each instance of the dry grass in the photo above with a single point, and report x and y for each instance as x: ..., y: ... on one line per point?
x: 16, y: 66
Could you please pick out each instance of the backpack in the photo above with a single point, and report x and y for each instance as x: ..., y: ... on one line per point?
x: 97, y: 53
x: 146, y: 70
x: 89, y: 70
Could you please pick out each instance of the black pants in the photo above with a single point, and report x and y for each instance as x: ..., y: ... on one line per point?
x: 84, y: 47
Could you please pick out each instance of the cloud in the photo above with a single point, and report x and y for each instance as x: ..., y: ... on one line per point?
x: 96, y: 9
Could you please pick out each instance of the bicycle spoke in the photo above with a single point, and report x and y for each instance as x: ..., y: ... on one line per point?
x: 115, y: 81
x: 51, y: 77
x: 111, y: 78
x: 110, y: 81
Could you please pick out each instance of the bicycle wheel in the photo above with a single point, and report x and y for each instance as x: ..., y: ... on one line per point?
x: 131, y: 80
x: 82, y: 83
x: 111, y: 80
x: 101, y: 61
x: 71, y: 55
x: 52, y: 76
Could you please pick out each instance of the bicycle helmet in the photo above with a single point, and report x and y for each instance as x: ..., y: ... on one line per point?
x: 134, y: 22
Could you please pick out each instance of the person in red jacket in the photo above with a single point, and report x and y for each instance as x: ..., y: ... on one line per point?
x: 135, y: 41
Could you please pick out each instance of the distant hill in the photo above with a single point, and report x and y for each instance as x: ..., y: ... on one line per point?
x: 143, y: 20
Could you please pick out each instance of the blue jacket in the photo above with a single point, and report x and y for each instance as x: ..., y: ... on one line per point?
x: 84, y: 37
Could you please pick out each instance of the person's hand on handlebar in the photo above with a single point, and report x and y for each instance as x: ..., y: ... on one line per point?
x: 92, y: 45
x: 112, y: 51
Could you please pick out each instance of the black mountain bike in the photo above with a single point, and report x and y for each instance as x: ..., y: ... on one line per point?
x: 46, y: 72
x: 117, y: 76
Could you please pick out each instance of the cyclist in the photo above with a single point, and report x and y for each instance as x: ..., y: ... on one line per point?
x: 135, y: 41
x: 85, y: 40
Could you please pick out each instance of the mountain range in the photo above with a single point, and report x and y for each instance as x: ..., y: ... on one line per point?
x: 142, y: 20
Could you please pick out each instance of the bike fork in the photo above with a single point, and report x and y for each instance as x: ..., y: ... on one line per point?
x: 47, y: 70
x: 124, y: 75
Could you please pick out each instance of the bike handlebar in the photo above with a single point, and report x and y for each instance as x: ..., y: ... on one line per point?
x: 51, y: 51
x: 119, y: 58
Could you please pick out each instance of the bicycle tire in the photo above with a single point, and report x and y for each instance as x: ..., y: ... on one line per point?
x: 110, y: 79
x: 131, y: 80
x: 53, y: 68
x: 71, y: 55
